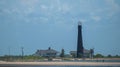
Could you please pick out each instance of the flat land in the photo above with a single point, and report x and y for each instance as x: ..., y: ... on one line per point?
x: 63, y: 63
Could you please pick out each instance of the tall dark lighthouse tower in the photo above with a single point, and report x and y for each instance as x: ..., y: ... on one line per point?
x: 79, y: 41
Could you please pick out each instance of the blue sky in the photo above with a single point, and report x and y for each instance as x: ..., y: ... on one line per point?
x: 38, y: 24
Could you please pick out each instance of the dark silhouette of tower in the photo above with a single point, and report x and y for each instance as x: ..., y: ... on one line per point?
x: 79, y: 42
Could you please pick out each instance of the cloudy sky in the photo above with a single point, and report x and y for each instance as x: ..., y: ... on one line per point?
x: 38, y: 24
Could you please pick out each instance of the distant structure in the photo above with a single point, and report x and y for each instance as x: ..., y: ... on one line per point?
x: 81, y: 52
x: 87, y: 53
x: 91, y: 53
x: 79, y: 41
x: 46, y: 53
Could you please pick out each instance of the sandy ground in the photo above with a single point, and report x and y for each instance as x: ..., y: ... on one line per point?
x: 63, y: 63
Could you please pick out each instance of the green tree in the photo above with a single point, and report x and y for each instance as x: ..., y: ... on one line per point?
x: 117, y: 56
x: 62, y: 53
x: 98, y: 56
x: 109, y: 56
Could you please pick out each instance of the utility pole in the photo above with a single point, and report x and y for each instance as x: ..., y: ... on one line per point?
x: 22, y: 52
x: 9, y: 51
x: 8, y: 54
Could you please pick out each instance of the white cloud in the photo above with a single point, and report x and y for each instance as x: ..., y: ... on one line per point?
x: 113, y: 8
x: 83, y: 20
x: 43, y: 18
x: 29, y: 3
x: 65, y: 8
x: 96, y: 18
x: 59, y: 8
x: 43, y: 7
x: 7, y: 11
x: 107, y: 11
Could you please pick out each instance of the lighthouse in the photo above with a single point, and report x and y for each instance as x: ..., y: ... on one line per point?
x: 80, y: 47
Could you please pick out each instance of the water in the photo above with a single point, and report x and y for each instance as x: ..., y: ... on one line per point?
x: 50, y: 66
x: 97, y: 61
x: 77, y: 66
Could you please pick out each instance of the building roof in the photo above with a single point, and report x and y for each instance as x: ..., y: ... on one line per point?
x: 47, y: 51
